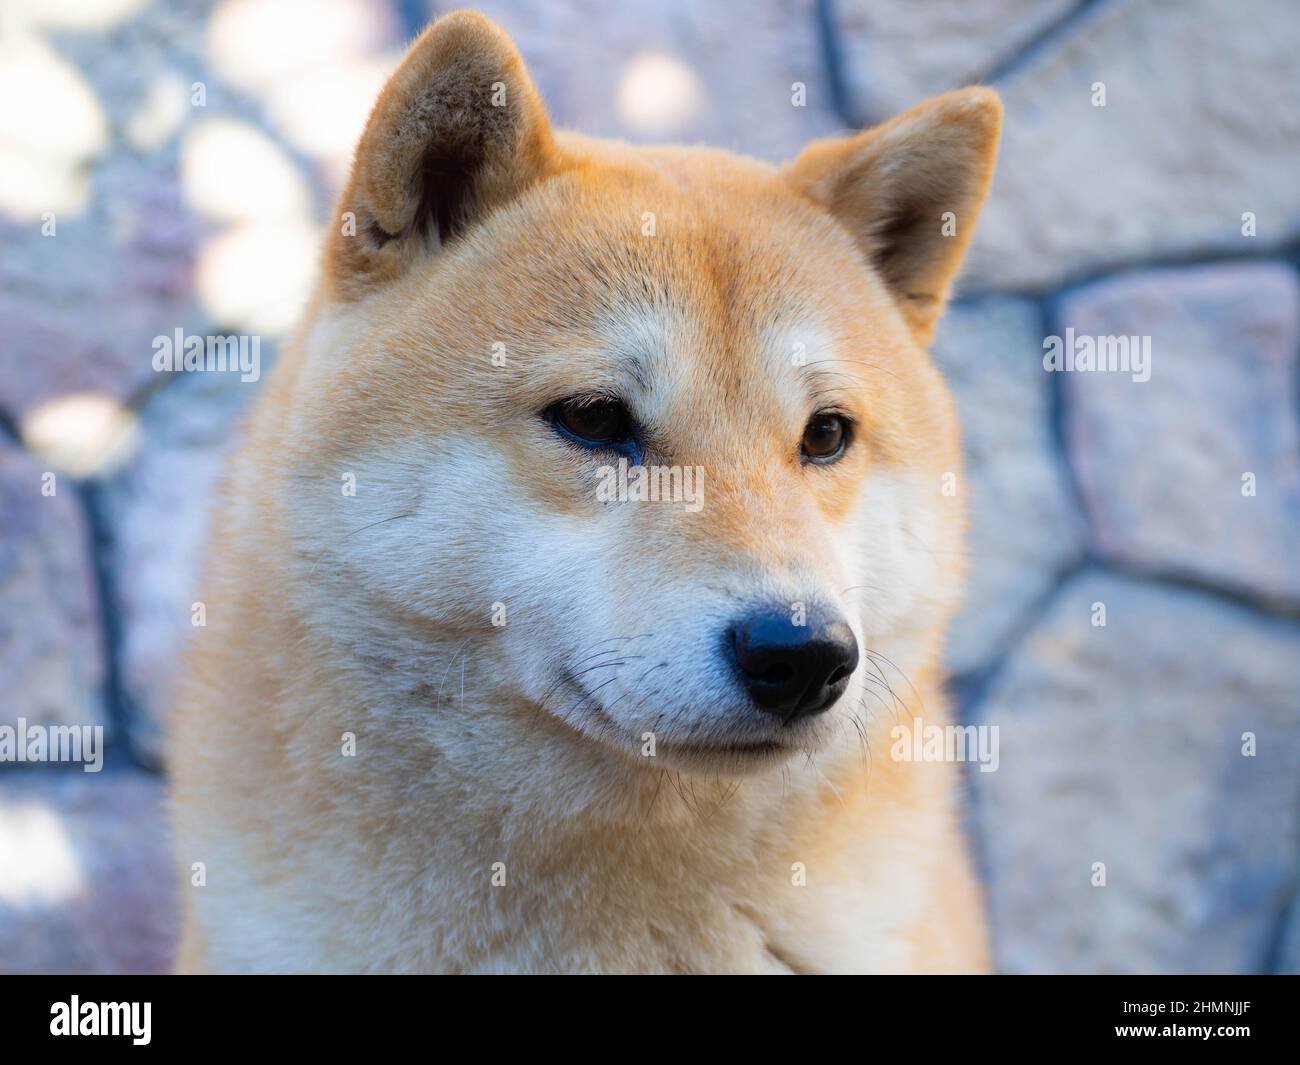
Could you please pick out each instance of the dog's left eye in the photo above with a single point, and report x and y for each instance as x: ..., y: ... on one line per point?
x: 825, y: 438
x: 594, y: 422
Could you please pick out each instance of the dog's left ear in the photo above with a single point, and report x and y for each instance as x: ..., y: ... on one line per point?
x: 909, y: 192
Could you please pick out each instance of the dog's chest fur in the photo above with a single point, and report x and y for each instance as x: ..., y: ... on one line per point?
x: 708, y: 880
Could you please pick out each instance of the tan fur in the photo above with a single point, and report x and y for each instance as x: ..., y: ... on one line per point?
x: 331, y: 614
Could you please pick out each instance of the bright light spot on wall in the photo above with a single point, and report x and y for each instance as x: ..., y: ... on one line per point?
x: 71, y: 14
x: 658, y: 94
x: 232, y: 172
x: 51, y: 125
x: 257, y: 277
x: 82, y: 433
x: 38, y: 864
x: 317, y: 65
x: 324, y: 112
x: 257, y: 44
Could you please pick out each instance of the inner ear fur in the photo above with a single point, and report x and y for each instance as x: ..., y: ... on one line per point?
x: 458, y: 130
x: 892, y: 187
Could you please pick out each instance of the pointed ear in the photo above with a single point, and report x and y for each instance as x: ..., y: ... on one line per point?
x: 893, y: 186
x: 458, y: 130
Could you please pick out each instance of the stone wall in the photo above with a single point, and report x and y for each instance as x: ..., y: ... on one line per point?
x: 167, y: 165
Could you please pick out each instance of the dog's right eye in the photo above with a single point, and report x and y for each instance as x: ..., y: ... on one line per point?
x: 601, y: 422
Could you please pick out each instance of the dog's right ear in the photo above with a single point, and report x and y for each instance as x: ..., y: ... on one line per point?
x: 458, y: 130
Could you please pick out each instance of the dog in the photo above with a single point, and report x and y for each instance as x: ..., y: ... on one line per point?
x: 470, y: 698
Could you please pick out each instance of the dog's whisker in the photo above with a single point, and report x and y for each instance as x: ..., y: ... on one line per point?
x: 860, y: 727
x: 320, y: 557
x: 874, y: 654
x: 437, y: 705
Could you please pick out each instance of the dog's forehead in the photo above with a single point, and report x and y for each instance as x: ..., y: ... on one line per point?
x: 675, y: 358
x: 726, y: 308
x: 708, y: 302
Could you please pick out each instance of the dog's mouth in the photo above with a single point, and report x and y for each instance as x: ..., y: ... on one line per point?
x: 705, y: 754
x: 728, y: 758
x: 759, y: 749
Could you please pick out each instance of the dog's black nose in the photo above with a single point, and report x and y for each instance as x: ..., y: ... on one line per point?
x: 794, y: 670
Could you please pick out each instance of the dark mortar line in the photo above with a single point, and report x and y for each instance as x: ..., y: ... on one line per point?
x: 971, y: 825
x: 1275, y: 608
x: 1044, y: 40
x: 978, y: 836
x: 971, y: 687
x: 1285, y: 253
x: 969, y: 690
x: 1058, y: 404
x: 1294, y: 262
x: 9, y: 428
x: 1021, y: 56
x: 833, y: 65
x: 1273, y: 957
x: 110, y: 627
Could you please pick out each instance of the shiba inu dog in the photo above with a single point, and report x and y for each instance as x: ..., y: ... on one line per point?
x: 456, y: 710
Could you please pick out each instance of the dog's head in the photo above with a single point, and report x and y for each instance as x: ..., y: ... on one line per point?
x: 642, y: 440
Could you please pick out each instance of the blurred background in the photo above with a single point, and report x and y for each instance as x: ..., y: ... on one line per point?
x: 169, y: 164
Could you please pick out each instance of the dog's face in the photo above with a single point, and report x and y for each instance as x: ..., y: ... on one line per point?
x: 525, y: 335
